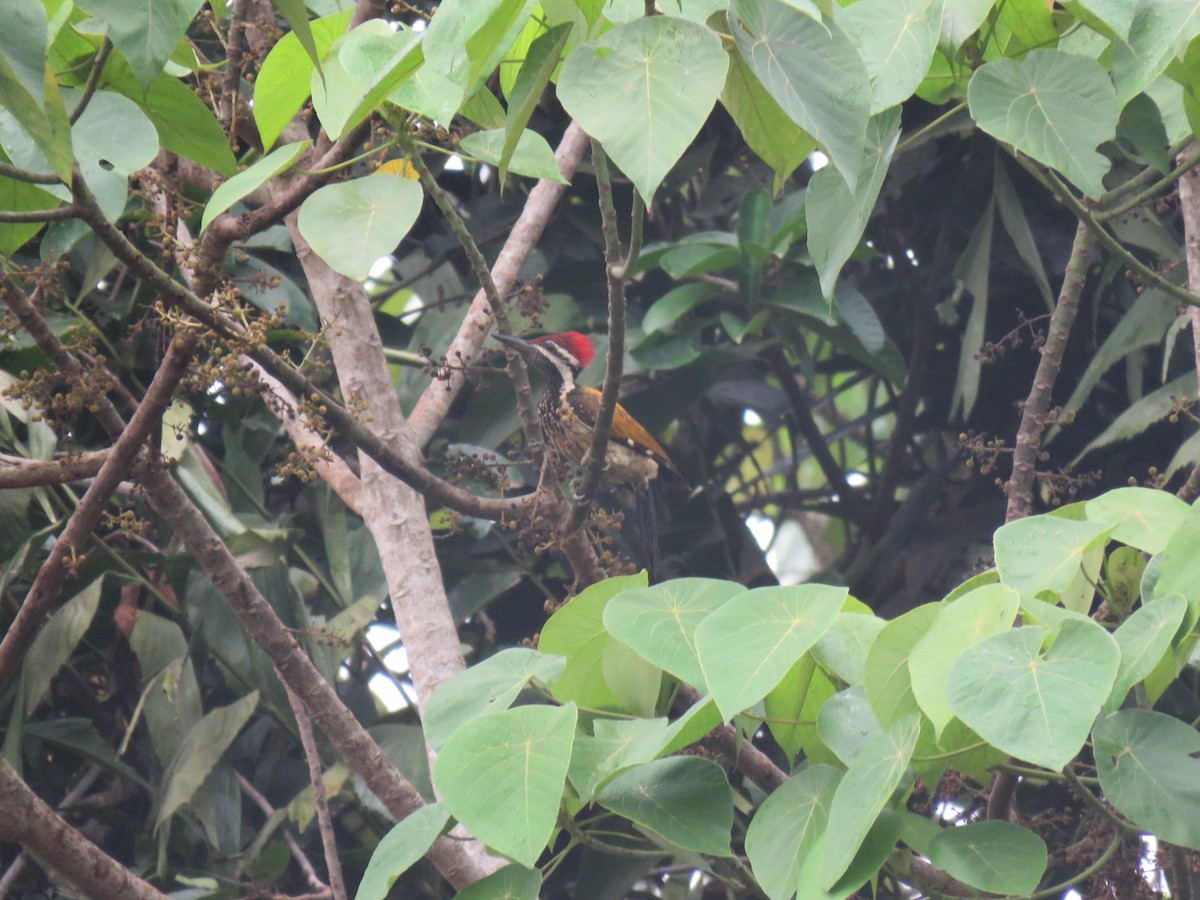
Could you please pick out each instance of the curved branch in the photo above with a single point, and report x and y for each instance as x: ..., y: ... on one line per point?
x: 16, y: 173
x: 93, y: 80
x: 1063, y: 194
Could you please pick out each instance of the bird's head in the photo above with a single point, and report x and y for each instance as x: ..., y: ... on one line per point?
x: 564, y: 355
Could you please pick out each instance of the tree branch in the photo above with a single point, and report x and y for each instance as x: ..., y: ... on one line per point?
x: 434, y: 403
x: 26, y: 818
x: 333, y: 865
x: 1063, y: 194
x: 16, y: 173
x: 331, y: 468
x: 298, y: 854
x: 404, y: 465
x: 60, y: 561
x: 1037, y: 405
x: 615, y: 274
x: 517, y: 370
x: 855, y: 507
x: 17, y: 472
x: 235, y: 49
x: 34, y: 216
x: 263, y: 626
x: 93, y: 80
x: 1189, y: 207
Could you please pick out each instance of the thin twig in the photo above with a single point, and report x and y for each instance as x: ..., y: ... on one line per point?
x: 848, y: 498
x: 235, y: 48
x: 1186, y: 163
x: 61, y: 561
x: 516, y: 365
x: 324, y: 821
x: 298, y: 854
x: 593, y: 462
x: 436, y: 399
x: 93, y: 80
x: 35, y: 216
x: 1135, y: 265
x: 16, y: 173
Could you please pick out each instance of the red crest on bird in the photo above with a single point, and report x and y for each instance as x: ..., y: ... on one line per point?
x: 578, y: 345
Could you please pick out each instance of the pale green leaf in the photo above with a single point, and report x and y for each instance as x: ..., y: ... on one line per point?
x: 886, y: 678
x: 1145, y: 638
x: 503, y: 776
x: 747, y: 645
x: 768, y: 130
x: 896, y: 39
x: 541, y: 59
x: 1149, y: 767
x: 146, y: 33
x: 1140, y: 517
x: 789, y: 827
x: 999, y: 857
x: 613, y: 745
x: 532, y: 156
x: 1160, y: 29
x: 283, y: 82
x: 814, y: 73
x: 1047, y: 553
x: 1035, y: 705
x: 846, y: 724
x: 407, y: 842
x: 837, y: 213
x: 1053, y: 106
x: 371, y: 62
x: 686, y: 799
x: 513, y: 882
x: 863, y: 792
x: 643, y: 90
x: 352, y: 224
x: 983, y: 612
x: 660, y: 622
x: 577, y: 632
x: 243, y: 183
x: 485, y: 689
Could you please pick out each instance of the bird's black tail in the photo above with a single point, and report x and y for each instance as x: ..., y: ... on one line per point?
x: 647, y: 523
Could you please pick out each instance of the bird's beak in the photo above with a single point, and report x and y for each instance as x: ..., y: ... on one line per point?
x: 521, y: 345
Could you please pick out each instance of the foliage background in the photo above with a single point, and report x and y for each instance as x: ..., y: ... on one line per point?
x: 853, y: 365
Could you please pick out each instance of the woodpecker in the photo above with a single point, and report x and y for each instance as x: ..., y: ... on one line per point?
x: 568, y: 411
